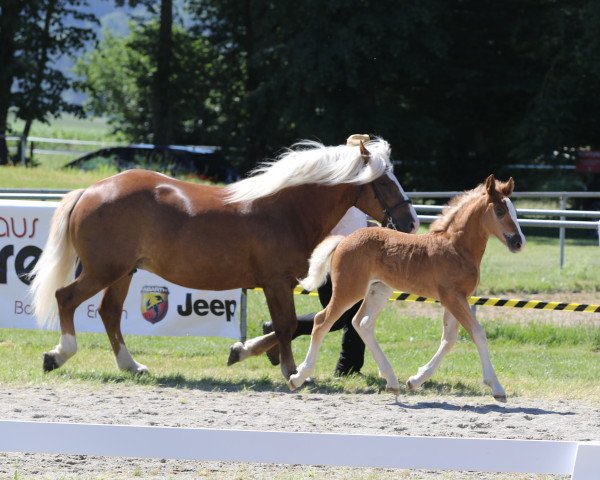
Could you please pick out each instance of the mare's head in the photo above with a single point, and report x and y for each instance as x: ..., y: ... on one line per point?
x: 500, y: 217
x: 383, y: 198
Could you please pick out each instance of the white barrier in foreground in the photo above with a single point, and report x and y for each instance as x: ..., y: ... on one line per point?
x: 581, y: 460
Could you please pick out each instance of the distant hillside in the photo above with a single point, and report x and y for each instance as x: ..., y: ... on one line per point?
x: 113, y: 19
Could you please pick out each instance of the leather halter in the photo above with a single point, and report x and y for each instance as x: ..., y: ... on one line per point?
x: 387, y: 211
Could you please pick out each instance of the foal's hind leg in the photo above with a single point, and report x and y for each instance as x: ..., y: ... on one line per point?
x: 322, y: 324
x: 449, y: 338
x: 459, y: 307
x: 364, y: 324
x: 69, y: 298
x: 110, y: 311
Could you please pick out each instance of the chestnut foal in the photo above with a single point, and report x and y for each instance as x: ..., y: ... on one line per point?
x: 442, y: 264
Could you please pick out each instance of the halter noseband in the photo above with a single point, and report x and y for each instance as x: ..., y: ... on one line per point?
x: 387, y: 211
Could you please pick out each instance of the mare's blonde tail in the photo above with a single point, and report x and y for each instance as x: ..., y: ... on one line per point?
x: 56, y: 266
x: 320, y: 263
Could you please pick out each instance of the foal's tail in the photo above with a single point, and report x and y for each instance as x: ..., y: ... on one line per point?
x: 56, y: 266
x: 320, y: 263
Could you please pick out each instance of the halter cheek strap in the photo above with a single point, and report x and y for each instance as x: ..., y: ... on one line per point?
x: 387, y: 211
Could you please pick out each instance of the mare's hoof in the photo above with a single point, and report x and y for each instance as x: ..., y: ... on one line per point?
x: 49, y: 363
x: 234, y: 353
x: 409, y: 386
x: 500, y: 398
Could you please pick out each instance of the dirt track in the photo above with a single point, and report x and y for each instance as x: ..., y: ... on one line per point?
x: 361, y: 413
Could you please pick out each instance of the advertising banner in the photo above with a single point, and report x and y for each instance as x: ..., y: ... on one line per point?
x: 153, y: 306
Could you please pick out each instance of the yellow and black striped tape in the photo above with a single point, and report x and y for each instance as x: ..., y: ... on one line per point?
x: 489, y: 302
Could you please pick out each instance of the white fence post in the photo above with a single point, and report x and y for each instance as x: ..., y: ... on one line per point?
x: 587, y: 462
x: 561, y: 234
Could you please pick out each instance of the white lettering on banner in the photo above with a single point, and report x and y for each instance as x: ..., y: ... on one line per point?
x: 153, y: 306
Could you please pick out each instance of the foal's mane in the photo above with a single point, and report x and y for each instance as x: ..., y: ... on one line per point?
x: 450, y: 211
x: 309, y: 162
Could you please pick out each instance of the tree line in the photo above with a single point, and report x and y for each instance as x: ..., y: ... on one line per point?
x: 459, y: 87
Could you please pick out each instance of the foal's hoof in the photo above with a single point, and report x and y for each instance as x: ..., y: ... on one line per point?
x: 140, y: 370
x: 409, y: 386
x: 500, y: 398
x: 291, y: 384
x: 393, y: 390
x: 49, y: 362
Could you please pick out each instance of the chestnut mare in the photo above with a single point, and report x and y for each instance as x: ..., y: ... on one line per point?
x: 258, y: 232
x: 442, y: 264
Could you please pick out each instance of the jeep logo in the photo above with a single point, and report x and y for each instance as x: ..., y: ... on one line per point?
x: 202, y: 307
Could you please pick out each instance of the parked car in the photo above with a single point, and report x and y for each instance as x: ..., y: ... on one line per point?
x: 203, y: 162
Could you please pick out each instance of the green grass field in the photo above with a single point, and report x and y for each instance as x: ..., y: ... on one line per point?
x: 530, y: 359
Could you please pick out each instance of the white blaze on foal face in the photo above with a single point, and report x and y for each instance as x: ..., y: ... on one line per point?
x: 511, y: 233
x: 513, y: 215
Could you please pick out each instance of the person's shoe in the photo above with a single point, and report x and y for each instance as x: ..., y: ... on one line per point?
x: 345, y: 371
x: 273, y: 353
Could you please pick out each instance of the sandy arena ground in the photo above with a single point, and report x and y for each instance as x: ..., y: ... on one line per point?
x: 360, y: 413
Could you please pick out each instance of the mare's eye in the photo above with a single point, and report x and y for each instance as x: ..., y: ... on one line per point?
x: 499, y: 211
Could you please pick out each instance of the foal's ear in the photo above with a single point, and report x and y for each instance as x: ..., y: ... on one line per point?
x: 508, y: 187
x: 490, y: 185
x: 365, y: 154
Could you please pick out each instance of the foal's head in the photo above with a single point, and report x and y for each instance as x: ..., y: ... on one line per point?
x: 500, y: 217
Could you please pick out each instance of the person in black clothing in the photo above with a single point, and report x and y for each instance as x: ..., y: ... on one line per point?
x: 353, y: 348
x: 352, y: 355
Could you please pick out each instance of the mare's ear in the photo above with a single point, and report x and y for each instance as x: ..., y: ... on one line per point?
x: 508, y: 187
x: 490, y: 185
x: 365, y: 154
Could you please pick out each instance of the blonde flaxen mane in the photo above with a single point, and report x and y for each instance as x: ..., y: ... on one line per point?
x: 309, y: 162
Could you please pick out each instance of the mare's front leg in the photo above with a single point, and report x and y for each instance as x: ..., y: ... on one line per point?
x: 449, y: 338
x: 364, y: 324
x: 459, y: 308
x: 280, y: 301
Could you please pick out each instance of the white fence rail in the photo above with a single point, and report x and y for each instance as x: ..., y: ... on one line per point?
x: 562, y: 223
x: 581, y: 460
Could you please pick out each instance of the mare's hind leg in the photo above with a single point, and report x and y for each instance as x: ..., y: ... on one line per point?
x: 69, y: 298
x: 449, y: 338
x: 110, y: 311
x: 364, y: 323
x: 459, y: 307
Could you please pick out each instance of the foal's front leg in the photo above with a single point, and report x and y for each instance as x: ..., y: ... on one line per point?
x: 459, y: 307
